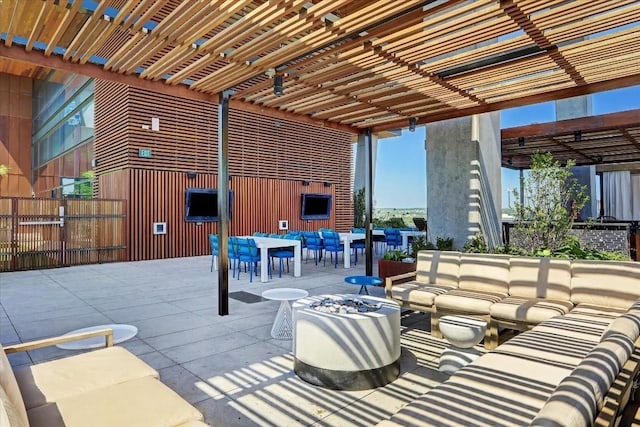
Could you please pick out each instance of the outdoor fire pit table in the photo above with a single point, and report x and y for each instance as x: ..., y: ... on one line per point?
x: 346, y: 342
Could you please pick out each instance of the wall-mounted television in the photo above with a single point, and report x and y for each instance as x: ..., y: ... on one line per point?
x: 315, y: 206
x: 202, y: 204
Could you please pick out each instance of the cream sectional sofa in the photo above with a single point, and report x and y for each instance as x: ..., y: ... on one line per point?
x: 511, y: 292
x: 576, y: 362
x: 572, y: 370
x: 102, y: 388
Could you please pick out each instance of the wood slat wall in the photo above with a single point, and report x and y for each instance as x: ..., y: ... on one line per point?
x: 268, y: 160
x: 15, y: 134
x: 111, y: 137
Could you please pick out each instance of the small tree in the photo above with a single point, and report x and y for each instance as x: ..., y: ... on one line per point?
x: 358, y: 208
x: 552, y: 200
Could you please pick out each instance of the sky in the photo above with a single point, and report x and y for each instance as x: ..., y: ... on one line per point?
x: 400, y: 180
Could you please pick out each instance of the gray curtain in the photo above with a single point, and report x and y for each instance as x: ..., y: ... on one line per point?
x: 617, y: 194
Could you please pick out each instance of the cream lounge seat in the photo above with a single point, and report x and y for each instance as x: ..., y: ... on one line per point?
x: 484, y: 281
x: 539, y: 289
x: 437, y: 272
x: 106, y: 387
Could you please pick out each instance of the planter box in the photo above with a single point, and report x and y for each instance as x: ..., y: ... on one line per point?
x: 387, y: 268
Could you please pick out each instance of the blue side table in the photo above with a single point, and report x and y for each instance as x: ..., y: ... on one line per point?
x: 363, y: 281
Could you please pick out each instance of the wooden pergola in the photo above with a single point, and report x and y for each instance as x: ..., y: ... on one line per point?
x: 364, y: 66
x: 596, y: 140
x: 355, y: 64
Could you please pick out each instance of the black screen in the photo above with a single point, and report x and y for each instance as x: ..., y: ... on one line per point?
x: 202, y: 204
x: 316, y: 206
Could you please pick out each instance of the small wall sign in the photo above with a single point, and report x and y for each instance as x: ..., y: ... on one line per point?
x: 145, y: 152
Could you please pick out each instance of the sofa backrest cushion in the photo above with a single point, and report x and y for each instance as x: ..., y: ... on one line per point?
x: 531, y: 277
x: 436, y: 267
x: 481, y: 272
x: 608, y: 283
x: 628, y: 324
x: 578, y: 397
x: 10, y: 387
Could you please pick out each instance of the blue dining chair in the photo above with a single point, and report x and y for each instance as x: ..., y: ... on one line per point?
x: 331, y: 241
x: 213, y: 241
x: 232, y: 254
x: 357, y: 244
x: 248, y: 252
x: 313, y: 241
x: 393, y: 238
x: 284, y: 253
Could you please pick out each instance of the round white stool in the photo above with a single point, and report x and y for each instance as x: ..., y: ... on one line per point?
x: 463, y: 333
x: 282, y: 325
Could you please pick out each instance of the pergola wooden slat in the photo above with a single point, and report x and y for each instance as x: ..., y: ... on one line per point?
x: 354, y: 64
x: 608, y: 138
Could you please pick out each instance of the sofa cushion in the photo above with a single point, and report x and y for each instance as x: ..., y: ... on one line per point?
x: 606, y: 283
x: 572, y: 404
x: 9, y: 414
x: 486, y: 273
x: 628, y: 324
x: 69, y: 376
x: 580, y: 395
x: 529, y: 310
x: 140, y: 402
x: 468, y: 301
x: 10, y: 386
x: 494, y: 390
x: 586, y: 323
x: 556, y: 350
x: 531, y: 277
x: 418, y: 293
x: 436, y: 267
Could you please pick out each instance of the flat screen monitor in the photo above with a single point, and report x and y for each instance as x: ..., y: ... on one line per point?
x: 202, y: 204
x: 316, y: 206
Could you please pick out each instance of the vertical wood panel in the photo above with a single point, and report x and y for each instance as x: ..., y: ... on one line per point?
x: 268, y: 160
x: 15, y: 135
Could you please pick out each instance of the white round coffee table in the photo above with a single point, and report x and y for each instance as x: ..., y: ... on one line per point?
x: 282, y: 325
x: 121, y: 333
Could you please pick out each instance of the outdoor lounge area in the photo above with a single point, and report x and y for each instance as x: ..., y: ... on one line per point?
x: 144, y: 143
x: 228, y: 367
x: 230, y: 371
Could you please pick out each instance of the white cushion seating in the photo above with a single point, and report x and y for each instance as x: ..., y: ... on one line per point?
x: 105, y: 387
x: 554, y: 374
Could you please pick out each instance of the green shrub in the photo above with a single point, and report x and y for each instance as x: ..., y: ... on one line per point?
x: 476, y: 244
x: 395, y: 255
x: 419, y: 243
x: 445, y: 244
x: 573, y: 250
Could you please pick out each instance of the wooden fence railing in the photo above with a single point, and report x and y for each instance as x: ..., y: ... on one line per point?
x: 44, y: 233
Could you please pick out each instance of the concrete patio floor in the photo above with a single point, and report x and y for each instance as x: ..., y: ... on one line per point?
x: 229, y: 367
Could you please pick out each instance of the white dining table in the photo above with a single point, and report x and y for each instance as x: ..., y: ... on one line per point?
x: 346, y: 239
x: 266, y: 243
x: 405, y: 234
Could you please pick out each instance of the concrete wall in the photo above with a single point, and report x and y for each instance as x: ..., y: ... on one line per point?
x: 573, y: 108
x: 361, y: 161
x: 464, y: 179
